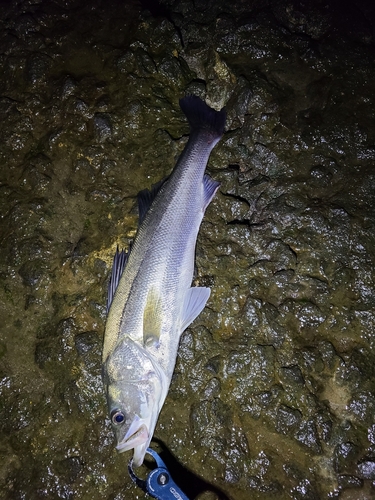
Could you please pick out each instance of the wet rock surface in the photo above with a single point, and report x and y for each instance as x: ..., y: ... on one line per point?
x: 273, y: 394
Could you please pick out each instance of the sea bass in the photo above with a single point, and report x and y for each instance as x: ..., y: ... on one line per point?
x: 150, y: 298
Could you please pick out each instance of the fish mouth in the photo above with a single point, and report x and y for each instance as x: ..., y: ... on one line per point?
x: 139, y: 437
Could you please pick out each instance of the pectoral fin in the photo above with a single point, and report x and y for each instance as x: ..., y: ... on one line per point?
x: 195, y: 301
x: 152, y: 319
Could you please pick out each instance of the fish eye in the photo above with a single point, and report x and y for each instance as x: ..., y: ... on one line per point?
x: 117, y: 417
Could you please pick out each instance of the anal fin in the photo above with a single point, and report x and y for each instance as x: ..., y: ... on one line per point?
x: 210, y: 186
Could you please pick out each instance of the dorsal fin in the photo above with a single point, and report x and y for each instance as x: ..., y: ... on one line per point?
x: 146, y: 197
x: 119, y: 262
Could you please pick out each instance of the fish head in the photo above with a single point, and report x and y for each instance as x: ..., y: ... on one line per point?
x: 136, y: 387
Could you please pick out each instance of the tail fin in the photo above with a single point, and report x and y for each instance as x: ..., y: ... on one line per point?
x: 202, y: 118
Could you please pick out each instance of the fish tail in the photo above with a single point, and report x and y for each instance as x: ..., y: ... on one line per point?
x: 202, y: 118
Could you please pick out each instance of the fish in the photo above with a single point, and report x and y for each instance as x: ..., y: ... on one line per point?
x: 151, y: 300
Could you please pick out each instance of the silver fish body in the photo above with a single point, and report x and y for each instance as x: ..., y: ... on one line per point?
x: 151, y: 299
